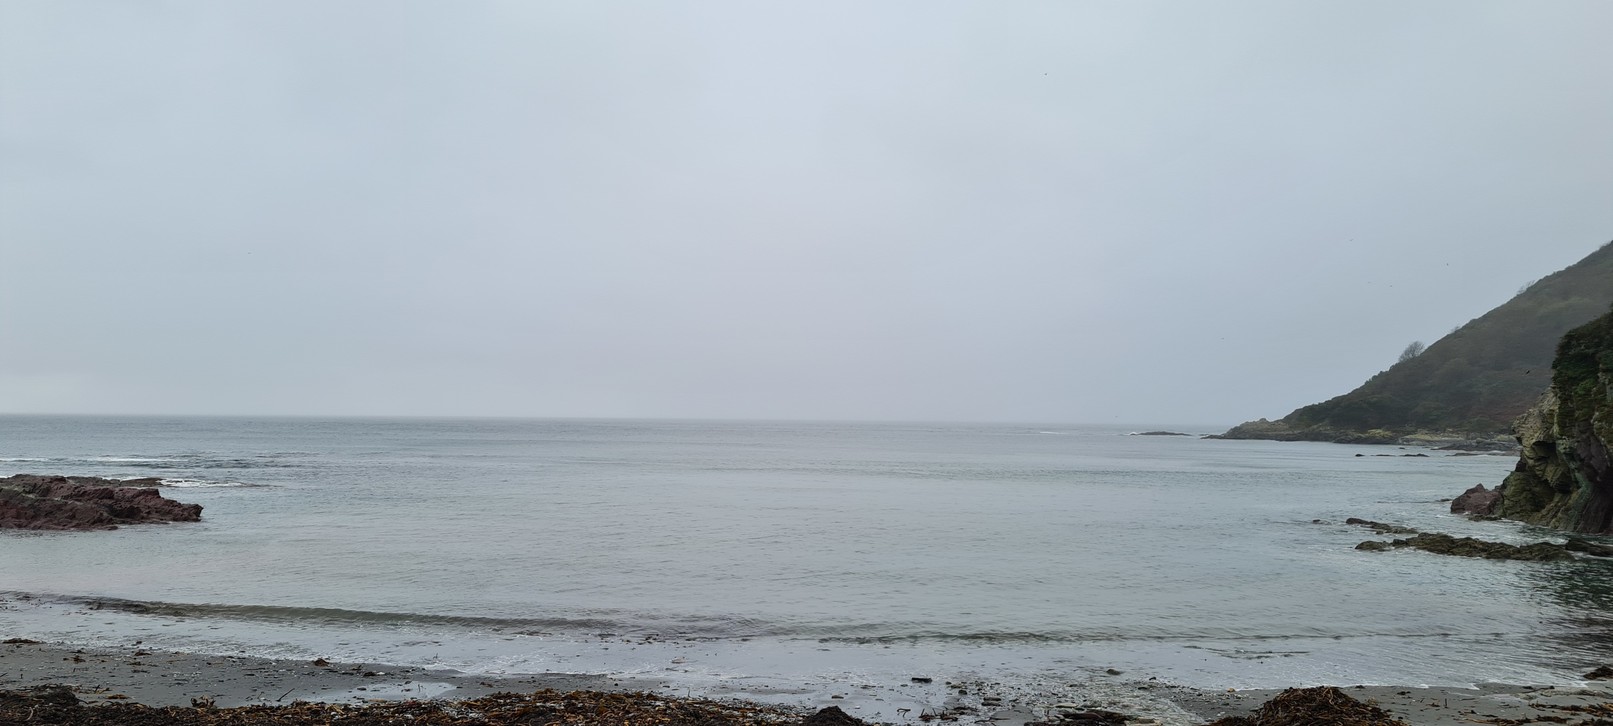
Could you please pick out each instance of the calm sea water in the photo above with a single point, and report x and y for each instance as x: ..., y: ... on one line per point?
x: 774, y: 553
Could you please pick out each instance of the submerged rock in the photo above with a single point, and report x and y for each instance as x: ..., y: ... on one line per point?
x: 1589, y: 548
x: 1380, y: 527
x: 1444, y: 544
x: 31, y: 501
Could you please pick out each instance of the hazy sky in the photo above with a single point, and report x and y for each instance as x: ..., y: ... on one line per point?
x: 1193, y: 212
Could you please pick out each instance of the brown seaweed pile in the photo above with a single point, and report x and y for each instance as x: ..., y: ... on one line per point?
x: 58, y: 705
x: 1319, y: 706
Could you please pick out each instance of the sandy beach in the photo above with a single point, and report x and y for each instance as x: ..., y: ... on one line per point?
x: 180, y: 679
x: 174, y: 679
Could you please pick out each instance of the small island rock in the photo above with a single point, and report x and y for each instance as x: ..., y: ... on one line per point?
x: 31, y: 501
x: 1477, y: 500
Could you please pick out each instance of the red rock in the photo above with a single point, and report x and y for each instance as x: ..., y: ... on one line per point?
x: 1477, y: 500
x: 31, y: 501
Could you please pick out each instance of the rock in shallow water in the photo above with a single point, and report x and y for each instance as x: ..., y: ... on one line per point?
x: 1477, y: 500
x: 31, y: 501
x: 1444, y: 544
x: 1380, y: 527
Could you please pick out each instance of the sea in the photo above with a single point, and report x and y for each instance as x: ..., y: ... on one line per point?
x: 781, y: 560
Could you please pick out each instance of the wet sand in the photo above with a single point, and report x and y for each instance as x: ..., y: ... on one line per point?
x: 174, y: 679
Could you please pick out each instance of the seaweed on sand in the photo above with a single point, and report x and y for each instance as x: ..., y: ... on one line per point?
x: 1319, y: 706
x: 58, y: 705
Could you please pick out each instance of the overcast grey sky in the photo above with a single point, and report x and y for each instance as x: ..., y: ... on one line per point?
x: 1194, y: 212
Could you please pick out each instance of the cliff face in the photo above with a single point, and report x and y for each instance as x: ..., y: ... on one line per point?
x: 1564, y: 476
x: 1477, y: 379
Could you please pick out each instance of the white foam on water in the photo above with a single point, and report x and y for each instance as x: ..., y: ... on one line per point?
x: 206, y: 483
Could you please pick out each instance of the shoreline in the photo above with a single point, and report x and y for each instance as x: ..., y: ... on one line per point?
x: 161, y: 678
x: 158, y: 679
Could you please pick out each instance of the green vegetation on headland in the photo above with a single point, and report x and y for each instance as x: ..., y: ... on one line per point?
x: 1475, y: 380
x: 1564, y: 477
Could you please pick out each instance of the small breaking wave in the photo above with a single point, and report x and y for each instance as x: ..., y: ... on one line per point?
x: 580, y: 625
x: 210, y: 484
x: 610, y: 624
x: 197, y: 461
x: 181, y: 462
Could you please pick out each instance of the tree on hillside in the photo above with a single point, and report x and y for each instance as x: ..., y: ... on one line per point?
x: 1412, y: 351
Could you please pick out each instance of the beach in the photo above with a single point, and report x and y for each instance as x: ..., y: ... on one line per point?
x: 158, y: 679
x: 175, y: 679
x: 1004, y: 573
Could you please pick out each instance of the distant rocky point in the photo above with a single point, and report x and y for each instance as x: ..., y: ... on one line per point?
x: 1467, y: 386
x: 1157, y: 433
x: 32, y: 501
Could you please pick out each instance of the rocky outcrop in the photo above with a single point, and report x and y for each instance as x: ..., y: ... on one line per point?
x: 1283, y: 431
x: 1444, y: 544
x: 1380, y: 527
x: 30, y: 501
x: 1564, y: 475
x: 1478, y: 500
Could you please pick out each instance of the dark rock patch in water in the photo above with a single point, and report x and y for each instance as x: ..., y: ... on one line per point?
x: 1477, y: 500
x: 31, y: 501
x: 1380, y: 527
x: 1444, y: 544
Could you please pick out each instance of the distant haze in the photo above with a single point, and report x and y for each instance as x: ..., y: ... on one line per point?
x: 1053, y: 211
